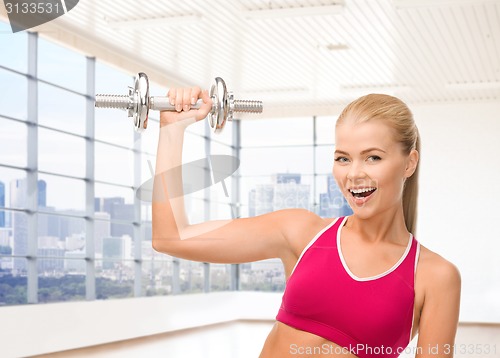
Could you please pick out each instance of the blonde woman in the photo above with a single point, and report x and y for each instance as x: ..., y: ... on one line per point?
x: 357, y: 286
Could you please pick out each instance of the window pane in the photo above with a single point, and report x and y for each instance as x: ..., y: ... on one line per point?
x: 266, y: 275
x: 220, y: 277
x: 225, y: 136
x: 116, y: 250
x: 195, y: 209
x: 14, y: 187
x: 74, y: 262
x: 217, y: 149
x: 62, y: 194
x: 224, y: 170
x: 221, y: 211
x: 61, y: 232
x: 61, y: 66
x: 260, y: 195
x: 14, y: 48
x: 14, y: 97
x: 112, y: 213
x: 113, y: 125
x: 114, y: 165
x: 61, y: 109
x: 331, y: 202
x: 146, y: 231
x: 57, y: 288
x: 193, y: 149
x: 324, y: 159
x: 70, y: 161
x: 14, y: 287
x: 148, y: 253
x: 268, y: 161
x: 149, y: 142
x: 102, y: 229
x: 277, y: 131
x: 124, y: 232
x: 108, y: 195
x: 110, y: 80
x: 325, y: 130
x: 248, y: 187
x: 20, y: 248
x: 6, y: 239
x: 217, y: 192
x: 13, y: 148
x: 114, y: 278
x: 198, y: 128
x: 191, y: 276
x: 157, y: 277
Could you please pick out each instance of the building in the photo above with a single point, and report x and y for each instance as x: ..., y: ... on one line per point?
x: 113, y: 251
x: 118, y: 210
x: 2, y: 204
x: 50, y: 261
x: 102, y: 229
x: 74, y: 262
x: 18, y: 199
x: 285, y: 192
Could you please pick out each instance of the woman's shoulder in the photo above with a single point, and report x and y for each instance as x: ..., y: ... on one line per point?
x: 301, y: 226
x: 436, y: 270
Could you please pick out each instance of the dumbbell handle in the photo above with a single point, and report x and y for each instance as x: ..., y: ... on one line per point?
x: 160, y: 103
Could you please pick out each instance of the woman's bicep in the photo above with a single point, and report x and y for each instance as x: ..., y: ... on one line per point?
x: 233, y: 241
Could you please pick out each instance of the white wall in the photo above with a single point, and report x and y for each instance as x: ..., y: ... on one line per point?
x: 459, y: 208
x: 45, y: 328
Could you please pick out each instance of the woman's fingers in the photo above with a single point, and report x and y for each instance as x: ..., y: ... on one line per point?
x: 206, y: 106
x: 183, y: 99
x: 179, y: 98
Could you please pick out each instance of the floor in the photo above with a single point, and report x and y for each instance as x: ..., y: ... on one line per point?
x: 244, y: 339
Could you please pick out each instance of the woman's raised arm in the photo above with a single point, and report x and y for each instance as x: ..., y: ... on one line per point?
x: 277, y: 234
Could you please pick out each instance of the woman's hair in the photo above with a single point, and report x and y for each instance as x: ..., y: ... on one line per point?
x: 396, y: 114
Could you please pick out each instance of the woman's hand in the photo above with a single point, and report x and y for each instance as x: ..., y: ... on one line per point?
x: 183, y: 99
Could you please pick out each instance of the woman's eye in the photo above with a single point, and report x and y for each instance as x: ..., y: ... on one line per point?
x: 341, y: 159
x: 374, y: 158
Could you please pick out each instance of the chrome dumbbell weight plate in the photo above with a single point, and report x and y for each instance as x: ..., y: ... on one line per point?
x: 140, y: 109
x: 222, y: 105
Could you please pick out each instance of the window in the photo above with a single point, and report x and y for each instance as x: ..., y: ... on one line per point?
x: 14, y: 94
x: 80, y: 215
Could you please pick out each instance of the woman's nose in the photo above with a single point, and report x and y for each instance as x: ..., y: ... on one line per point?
x: 356, y: 171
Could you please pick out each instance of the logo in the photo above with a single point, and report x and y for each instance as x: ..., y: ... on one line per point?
x: 196, y: 175
x: 25, y: 14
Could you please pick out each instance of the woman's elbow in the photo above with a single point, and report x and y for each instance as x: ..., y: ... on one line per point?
x: 161, y: 242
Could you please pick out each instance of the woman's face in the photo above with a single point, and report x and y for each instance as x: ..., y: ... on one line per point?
x: 370, y: 167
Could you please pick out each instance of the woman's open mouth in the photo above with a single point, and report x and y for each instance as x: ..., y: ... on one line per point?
x: 362, y: 195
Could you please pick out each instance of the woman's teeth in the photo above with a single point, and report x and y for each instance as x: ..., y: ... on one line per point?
x: 362, y: 193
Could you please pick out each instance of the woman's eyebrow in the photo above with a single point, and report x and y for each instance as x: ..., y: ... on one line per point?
x: 363, y: 152
x: 372, y: 149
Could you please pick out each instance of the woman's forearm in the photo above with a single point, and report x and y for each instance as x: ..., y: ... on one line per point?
x: 169, y: 215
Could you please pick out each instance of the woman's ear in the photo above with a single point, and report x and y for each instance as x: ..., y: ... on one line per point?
x: 411, y: 164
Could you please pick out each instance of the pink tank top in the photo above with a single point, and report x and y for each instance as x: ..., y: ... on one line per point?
x: 370, y: 317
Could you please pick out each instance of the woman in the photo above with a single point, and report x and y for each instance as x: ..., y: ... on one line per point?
x: 362, y: 286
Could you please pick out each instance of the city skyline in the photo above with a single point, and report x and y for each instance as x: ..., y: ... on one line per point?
x: 61, y: 239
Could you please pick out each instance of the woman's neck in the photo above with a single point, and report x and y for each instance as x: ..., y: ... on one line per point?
x: 386, y: 226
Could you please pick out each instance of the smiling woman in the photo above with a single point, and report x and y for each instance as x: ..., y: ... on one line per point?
x: 385, y: 287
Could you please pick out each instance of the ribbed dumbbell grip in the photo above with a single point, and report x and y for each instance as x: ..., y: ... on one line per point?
x: 112, y: 101
x: 246, y: 106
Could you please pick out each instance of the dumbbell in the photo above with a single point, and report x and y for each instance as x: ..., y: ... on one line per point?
x: 138, y: 103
